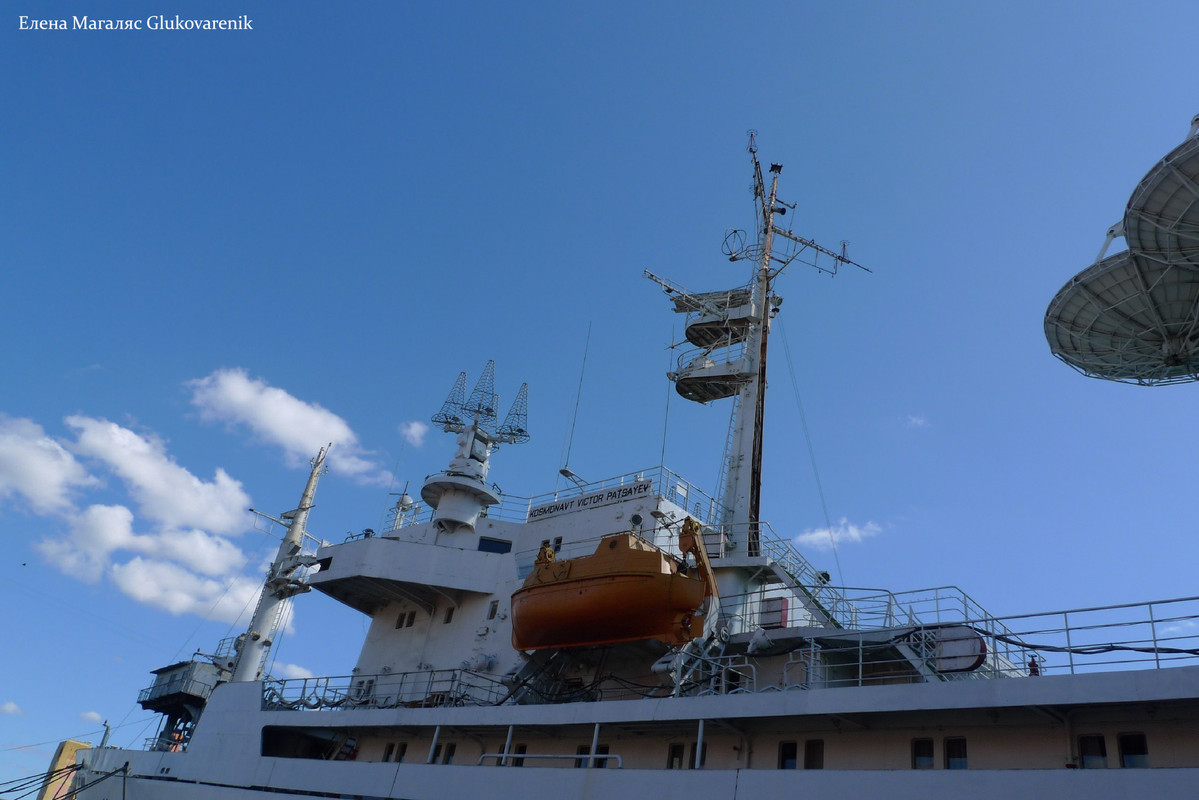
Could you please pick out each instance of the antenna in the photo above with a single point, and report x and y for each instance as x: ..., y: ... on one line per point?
x: 483, y: 399
x: 516, y: 423
x: 1133, y: 317
x: 450, y: 415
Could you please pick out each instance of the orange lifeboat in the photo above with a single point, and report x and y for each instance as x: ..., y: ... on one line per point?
x: 628, y: 590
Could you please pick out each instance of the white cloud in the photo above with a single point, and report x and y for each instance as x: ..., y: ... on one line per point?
x: 414, y: 433
x: 100, y: 531
x: 10, y: 708
x: 91, y: 716
x: 280, y: 670
x: 166, y: 492
x: 842, y: 532
x: 95, y: 534
x: 37, y: 468
x: 301, y: 429
x: 913, y: 421
x: 171, y: 587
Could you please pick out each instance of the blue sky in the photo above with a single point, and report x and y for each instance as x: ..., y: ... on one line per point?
x: 219, y: 250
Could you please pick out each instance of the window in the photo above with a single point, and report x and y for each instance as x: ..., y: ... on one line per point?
x: 1092, y: 751
x: 703, y: 756
x: 436, y: 754
x: 557, y: 544
x: 387, y: 751
x: 922, y: 754
x: 788, y: 755
x: 493, y: 609
x: 674, y: 756
x: 1134, y: 750
x: 449, y: 753
x: 519, y: 750
x: 395, y: 751
x: 406, y: 619
x: 449, y: 615
x: 955, y: 752
x: 585, y: 749
x: 487, y: 545
x: 813, y: 754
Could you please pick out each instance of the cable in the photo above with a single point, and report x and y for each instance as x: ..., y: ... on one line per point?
x: 578, y: 397
x: 666, y: 416
x: 803, y: 418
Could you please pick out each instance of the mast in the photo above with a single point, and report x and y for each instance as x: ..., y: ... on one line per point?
x: 731, y: 328
x: 282, y: 583
x: 763, y: 327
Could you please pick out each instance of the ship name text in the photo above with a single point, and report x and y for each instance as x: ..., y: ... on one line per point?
x: 601, y: 497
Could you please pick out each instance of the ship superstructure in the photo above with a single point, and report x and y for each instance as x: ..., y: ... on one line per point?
x: 641, y: 635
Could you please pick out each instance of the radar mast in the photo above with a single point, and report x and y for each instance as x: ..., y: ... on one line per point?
x: 731, y: 329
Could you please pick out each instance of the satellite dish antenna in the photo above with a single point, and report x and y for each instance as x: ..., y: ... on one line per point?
x: 1133, y: 317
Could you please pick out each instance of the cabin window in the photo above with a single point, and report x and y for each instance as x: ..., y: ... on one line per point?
x: 585, y: 749
x: 955, y: 752
x: 520, y: 750
x: 493, y: 609
x: 674, y: 756
x: 1092, y: 751
x: 388, y: 750
x: 406, y: 619
x: 813, y: 754
x: 449, y: 615
x: 448, y: 758
x: 487, y: 545
x: 1134, y: 750
x: 922, y: 754
x: 703, y: 756
x: 401, y: 750
x: 788, y: 755
x: 436, y: 754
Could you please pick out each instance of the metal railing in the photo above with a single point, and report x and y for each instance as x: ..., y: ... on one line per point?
x: 1154, y: 635
x: 419, y: 689
x: 514, y: 508
x: 601, y: 760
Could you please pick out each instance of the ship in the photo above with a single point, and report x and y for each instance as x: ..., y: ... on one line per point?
x: 638, y: 636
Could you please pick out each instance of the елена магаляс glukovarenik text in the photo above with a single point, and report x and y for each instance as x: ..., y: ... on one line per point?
x: 156, y: 22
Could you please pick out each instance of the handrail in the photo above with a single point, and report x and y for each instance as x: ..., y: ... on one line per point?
x: 605, y: 757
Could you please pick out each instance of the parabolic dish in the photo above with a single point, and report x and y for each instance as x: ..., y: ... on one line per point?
x: 1162, y: 219
x: 1129, y: 318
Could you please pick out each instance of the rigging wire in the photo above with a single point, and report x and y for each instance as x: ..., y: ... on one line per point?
x: 578, y: 397
x: 669, y: 387
x: 803, y: 418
